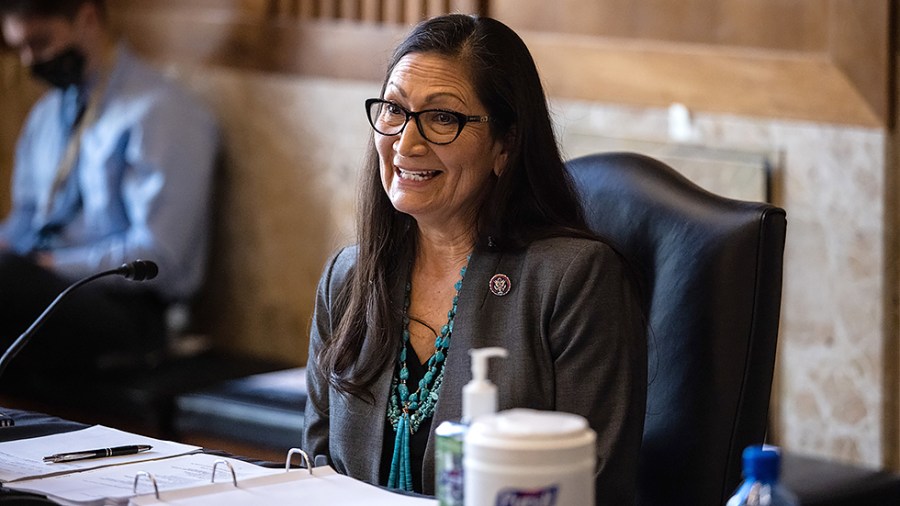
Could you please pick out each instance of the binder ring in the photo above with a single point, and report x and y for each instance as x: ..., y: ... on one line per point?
x: 291, y: 453
x: 230, y: 468
x: 152, y: 480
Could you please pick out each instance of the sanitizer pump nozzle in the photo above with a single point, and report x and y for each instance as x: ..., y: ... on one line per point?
x: 480, y: 395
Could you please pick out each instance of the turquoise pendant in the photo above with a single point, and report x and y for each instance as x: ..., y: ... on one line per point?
x: 401, y: 468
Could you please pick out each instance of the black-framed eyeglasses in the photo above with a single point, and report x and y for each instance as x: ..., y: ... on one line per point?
x: 437, y: 126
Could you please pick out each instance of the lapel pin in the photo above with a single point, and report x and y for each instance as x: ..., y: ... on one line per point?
x: 500, y: 285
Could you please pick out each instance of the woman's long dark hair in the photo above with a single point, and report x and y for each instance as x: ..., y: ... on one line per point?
x: 533, y: 197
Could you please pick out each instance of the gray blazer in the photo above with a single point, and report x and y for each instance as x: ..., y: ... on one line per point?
x: 576, y: 343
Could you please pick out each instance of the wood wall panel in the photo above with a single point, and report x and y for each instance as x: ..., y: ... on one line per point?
x: 735, y: 82
x: 851, y: 36
x: 682, y: 21
x: 860, y: 46
x: 789, y: 25
x: 413, y: 10
x: 468, y: 6
x: 372, y: 11
x: 743, y: 80
x: 327, y: 49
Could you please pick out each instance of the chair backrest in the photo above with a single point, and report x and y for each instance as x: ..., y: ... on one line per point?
x: 710, y: 269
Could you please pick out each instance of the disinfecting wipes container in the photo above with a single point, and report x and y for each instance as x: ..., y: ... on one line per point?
x: 528, y: 457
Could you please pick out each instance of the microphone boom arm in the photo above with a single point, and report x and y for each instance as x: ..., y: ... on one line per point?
x: 138, y: 270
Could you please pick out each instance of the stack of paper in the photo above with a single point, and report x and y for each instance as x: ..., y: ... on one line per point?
x: 108, y: 480
x: 173, y: 473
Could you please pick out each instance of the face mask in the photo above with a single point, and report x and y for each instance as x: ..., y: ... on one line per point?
x: 62, y: 70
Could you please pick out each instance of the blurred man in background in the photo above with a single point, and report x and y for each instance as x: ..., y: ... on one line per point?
x: 113, y: 164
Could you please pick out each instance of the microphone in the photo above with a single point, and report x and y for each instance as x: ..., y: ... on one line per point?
x: 138, y: 270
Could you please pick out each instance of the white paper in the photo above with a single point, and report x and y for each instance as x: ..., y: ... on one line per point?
x: 115, y: 484
x: 324, y: 487
x: 24, y: 458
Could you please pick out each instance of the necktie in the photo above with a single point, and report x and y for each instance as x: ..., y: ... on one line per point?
x: 65, y: 199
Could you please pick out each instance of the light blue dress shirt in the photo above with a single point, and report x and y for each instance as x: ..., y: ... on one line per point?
x: 144, y: 170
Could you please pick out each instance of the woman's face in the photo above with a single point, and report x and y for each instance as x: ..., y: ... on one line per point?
x: 438, y: 185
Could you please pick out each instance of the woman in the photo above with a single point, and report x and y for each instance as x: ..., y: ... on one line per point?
x: 470, y: 235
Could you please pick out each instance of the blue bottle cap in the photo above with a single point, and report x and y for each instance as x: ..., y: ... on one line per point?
x: 761, y: 463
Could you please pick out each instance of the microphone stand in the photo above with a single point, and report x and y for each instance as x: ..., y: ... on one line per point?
x: 138, y: 270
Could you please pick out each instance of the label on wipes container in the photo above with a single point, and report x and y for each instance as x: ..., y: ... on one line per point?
x: 525, y: 457
x: 516, y: 497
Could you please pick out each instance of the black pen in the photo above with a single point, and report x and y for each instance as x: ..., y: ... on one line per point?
x: 95, y: 454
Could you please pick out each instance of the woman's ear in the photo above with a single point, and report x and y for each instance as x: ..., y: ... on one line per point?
x: 501, y: 158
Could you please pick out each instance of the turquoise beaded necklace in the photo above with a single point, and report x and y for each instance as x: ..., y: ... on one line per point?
x: 406, y: 411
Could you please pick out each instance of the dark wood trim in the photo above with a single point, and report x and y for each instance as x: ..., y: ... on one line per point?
x: 761, y: 83
x: 336, y: 49
x: 753, y: 82
x: 859, y: 45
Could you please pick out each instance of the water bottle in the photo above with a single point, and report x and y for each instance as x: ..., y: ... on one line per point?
x: 760, y: 487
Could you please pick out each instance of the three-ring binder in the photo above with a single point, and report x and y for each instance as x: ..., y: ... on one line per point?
x: 152, y: 479
x: 234, y: 479
x: 230, y: 468
x: 295, y: 451
x: 272, y: 486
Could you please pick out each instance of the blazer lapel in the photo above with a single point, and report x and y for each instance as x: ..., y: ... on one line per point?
x: 368, y: 420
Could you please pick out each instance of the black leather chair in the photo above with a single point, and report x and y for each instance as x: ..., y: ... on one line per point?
x: 710, y: 270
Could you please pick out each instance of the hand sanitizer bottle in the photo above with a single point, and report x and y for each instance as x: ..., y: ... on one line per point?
x: 479, y: 398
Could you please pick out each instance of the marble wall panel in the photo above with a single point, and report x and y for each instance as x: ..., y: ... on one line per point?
x: 287, y: 193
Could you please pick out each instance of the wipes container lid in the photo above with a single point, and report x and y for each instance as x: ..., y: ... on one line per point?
x: 527, y: 437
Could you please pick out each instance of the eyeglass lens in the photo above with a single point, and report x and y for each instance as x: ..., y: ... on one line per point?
x: 439, y: 127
